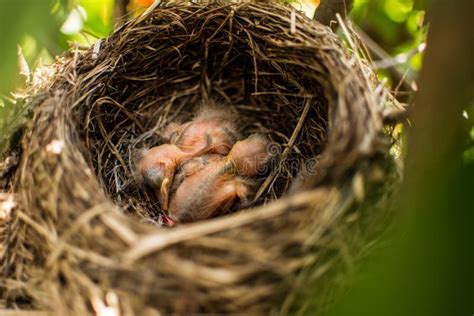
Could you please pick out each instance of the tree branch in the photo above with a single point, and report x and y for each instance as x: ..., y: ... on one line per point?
x: 120, y: 11
x: 328, y: 9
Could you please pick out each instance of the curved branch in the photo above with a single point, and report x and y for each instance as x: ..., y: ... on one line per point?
x: 328, y: 9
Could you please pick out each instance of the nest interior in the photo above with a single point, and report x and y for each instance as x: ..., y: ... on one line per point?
x: 77, y: 240
x: 163, y: 70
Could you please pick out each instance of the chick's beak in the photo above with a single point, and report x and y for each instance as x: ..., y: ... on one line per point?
x: 159, y: 180
x: 164, y: 193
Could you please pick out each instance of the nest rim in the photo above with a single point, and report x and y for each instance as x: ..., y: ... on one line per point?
x: 350, y: 141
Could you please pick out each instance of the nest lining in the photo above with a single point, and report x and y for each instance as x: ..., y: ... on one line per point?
x: 204, y: 59
x: 69, y: 243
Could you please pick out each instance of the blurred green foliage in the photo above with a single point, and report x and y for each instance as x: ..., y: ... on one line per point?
x: 86, y: 20
x: 17, y: 19
x: 77, y: 21
x: 398, y: 27
x: 43, y: 29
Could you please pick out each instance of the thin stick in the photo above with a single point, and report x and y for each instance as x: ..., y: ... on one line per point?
x: 286, y: 152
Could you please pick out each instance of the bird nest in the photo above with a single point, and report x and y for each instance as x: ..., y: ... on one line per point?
x: 84, y: 234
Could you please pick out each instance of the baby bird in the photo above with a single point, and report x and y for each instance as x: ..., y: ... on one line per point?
x: 207, y: 189
x: 192, y: 166
x: 211, y: 184
x: 211, y: 128
x: 158, y: 166
x: 210, y: 132
x: 250, y: 156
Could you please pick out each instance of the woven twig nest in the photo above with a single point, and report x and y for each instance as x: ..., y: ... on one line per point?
x: 84, y: 233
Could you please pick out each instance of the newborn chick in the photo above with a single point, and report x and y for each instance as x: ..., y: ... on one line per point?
x: 208, y: 188
x: 158, y: 166
x: 250, y: 156
x: 211, y: 128
x: 212, y: 183
x: 193, y: 166
x: 210, y: 132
